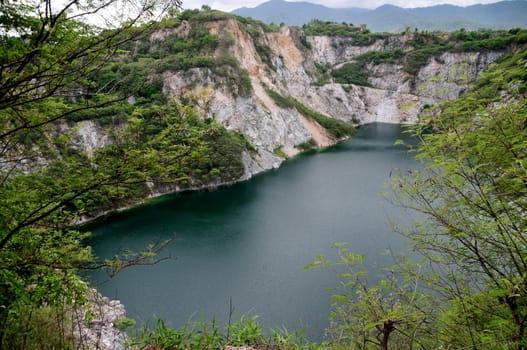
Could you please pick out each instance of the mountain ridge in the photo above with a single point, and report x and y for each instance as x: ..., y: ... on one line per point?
x: 390, y: 18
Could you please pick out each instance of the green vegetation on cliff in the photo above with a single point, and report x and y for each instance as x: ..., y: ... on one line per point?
x: 421, y: 48
x: 361, y: 36
x: 56, y: 71
x: 337, y: 129
x: 184, y: 43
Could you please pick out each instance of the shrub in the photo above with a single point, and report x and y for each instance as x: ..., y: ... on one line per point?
x: 308, y: 145
x: 351, y: 73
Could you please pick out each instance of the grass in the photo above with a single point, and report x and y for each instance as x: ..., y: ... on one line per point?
x: 247, y: 331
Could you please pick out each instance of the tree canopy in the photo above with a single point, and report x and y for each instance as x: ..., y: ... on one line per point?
x: 473, y: 193
x: 48, y: 52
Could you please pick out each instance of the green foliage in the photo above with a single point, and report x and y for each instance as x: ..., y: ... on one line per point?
x: 55, y: 69
x: 487, y: 40
x: 140, y: 69
x: 357, y: 72
x: 282, y: 338
x: 336, y: 128
x: 254, y: 29
x: 419, y: 58
x: 246, y: 331
x: 102, y: 108
x: 377, y: 57
x: 207, y: 15
x: 317, y: 27
x: 237, y: 79
x: 472, y: 193
x: 351, y: 73
x: 360, y: 35
x: 305, y: 43
x: 279, y: 151
x: 248, y: 22
x: 322, y: 74
x: 198, y: 42
x: 193, y: 336
x: 171, y: 143
x: 391, y: 313
x: 46, y: 58
x: 124, y: 323
x: 308, y: 145
x: 265, y: 53
x: 27, y: 323
x: 425, y: 46
x: 507, y: 76
x: 478, y: 319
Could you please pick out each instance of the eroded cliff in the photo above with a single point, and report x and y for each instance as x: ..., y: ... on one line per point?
x: 393, y: 95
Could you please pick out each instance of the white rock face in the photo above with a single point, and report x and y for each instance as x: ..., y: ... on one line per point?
x: 95, y: 323
x: 394, y: 95
x: 89, y: 136
x: 450, y: 75
x: 336, y: 50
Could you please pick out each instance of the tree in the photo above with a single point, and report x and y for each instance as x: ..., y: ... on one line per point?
x: 473, y: 194
x: 391, y: 313
x: 48, y: 52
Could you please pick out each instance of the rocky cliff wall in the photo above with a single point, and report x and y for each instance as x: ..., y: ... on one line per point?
x: 290, y: 68
x: 394, y: 96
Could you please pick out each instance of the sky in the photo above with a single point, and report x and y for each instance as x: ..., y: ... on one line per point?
x: 229, y: 5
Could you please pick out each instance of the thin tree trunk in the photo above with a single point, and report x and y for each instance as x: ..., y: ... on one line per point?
x: 388, y: 328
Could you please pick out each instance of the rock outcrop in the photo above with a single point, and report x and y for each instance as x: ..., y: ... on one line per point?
x: 95, y: 324
x: 394, y: 96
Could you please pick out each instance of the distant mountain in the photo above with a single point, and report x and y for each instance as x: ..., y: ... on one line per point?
x: 389, y: 18
x: 297, y: 13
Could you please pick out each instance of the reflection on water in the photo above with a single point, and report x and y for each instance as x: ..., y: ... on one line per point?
x: 249, y: 242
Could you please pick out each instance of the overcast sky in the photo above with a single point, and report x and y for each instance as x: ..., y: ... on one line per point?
x: 229, y: 5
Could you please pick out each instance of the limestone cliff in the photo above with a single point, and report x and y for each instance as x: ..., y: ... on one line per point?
x: 285, y: 61
x: 393, y: 95
x: 282, y: 90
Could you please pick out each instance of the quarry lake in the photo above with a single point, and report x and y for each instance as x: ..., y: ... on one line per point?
x: 247, y: 244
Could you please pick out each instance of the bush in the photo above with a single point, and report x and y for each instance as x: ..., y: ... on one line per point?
x: 418, y: 58
x: 305, y: 43
x: 378, y: 57
x: 351, y: 73
x: 317, y: 27
x: 308, y: 145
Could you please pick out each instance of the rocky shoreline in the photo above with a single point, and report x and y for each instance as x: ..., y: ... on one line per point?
x: 96, y: 323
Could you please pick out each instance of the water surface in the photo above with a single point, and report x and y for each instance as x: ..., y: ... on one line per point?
x: 248, y: 243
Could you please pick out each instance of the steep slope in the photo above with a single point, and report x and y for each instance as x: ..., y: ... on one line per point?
x: 263, y: 93
x: 276, y: 60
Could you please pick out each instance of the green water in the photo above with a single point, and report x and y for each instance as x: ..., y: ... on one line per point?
x: 248, y: 243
